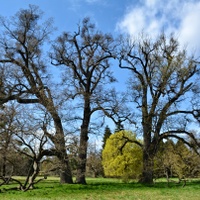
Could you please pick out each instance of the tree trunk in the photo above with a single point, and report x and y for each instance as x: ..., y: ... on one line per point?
x: 80, y: 177
x: 148, y: 149
x: 4, y: 166
x: 147, y: 173
x: 36, y: 170
x: 82, y: 157
x: 65, y: 171
x: 59, y: 141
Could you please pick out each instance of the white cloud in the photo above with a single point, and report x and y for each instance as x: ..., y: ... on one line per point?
x: 154, y: 16
x: 190, y: 25
x: 151, y: 3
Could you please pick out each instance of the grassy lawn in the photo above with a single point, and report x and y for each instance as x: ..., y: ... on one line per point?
x: 104, y: 189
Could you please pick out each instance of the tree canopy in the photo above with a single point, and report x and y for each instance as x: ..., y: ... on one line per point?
x: 121, y: 157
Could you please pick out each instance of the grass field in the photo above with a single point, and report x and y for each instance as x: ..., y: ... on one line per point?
x: 104, y: 189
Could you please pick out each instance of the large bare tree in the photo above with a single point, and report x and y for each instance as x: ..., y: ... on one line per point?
x: 21, y: 46
x: 85, y: 55
x: 164, y: 78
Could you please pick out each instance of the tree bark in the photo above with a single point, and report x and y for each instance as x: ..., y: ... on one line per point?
x: 80, y: 177
x: 36, y: 170
x: 65, y: 170
x: 4, y: 166
x: 82, y: 157
x: 59, y: 141
x: 149, y: 149
x: 147, y: 173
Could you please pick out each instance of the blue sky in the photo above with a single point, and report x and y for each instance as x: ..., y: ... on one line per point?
x: 132, y: 16
x: 67, y: 13
x: 122, y: 16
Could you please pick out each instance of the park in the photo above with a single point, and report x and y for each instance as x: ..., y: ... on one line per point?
x: 58, y: 94
x: 106, y: 189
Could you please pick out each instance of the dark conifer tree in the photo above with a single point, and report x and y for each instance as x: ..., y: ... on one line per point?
x: 107, y: 134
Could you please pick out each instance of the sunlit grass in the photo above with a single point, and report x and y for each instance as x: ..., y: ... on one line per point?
x: 104, y: 189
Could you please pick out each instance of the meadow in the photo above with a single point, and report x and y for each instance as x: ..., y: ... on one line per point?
x: 104, y: 189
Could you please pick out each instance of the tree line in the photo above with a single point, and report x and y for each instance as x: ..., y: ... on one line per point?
x: 161, y: 100
x: 123, y: 158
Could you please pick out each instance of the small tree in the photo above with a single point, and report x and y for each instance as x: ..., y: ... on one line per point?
x: 32, y: 146
x: 175, y: 159
x: 121, y: 157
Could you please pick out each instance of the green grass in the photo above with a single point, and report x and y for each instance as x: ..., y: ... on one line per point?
x: 104, y: 189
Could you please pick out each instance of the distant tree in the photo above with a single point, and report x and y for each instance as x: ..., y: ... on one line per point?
x: 85, y: 55
x: 164, y: 78
x: 7, y: 130
x: 25, y: 73
x: 187, y: 164
x: 175, y: 159
x: 121, y: 157
x: 94, y: 166
x: 107, y: 134
x: 11, y: 161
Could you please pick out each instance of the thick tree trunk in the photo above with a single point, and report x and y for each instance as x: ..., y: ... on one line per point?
x: 148, y: 153
x: 147, y: 173
x: 82, y: 157
x: 59, y: 141
x: 65, y: 170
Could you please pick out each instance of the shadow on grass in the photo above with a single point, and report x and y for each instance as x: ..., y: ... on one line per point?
x: 99, y: 185
x: 116, y: 185
x: 160, y: 184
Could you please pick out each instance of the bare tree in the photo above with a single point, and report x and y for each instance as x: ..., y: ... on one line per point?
x: 26, y: 140
x: 7, y: 131
x: 85, y: 54
x: 21, y: 52
x: 31, y: 141
x: 114, y: 105
x: 94, y: 167
x: 164, y: 78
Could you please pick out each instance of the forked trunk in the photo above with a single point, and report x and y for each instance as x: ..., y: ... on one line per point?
x: 34, y: 174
